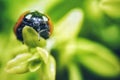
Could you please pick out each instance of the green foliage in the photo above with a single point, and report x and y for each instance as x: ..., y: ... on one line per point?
x: 85, y: 43
x: 18, y: 64
x: 90, y: 56
x: 36, y: 58
x: 111, y: 7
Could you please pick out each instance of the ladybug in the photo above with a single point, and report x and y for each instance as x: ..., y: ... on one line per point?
x: 38, y: 21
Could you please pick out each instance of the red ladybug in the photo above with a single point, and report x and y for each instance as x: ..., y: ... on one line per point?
x: 38, y: 21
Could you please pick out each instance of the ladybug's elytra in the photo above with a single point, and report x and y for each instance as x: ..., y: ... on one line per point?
x: 38, y: 21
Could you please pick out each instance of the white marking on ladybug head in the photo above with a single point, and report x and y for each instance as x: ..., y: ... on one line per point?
x: 28, y: 16
x: 45, y: 18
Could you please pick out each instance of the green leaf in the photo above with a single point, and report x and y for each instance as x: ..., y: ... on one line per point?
x: 28, y: 62
x: 44, y: 55
x: 19, y: 64
x: 34, y: 65
x: 93, y: 56
x: 111, y: 7
x: 31, y: 38
x: 68, y: 27
x: 74, y: 72
x: 96, y: 58
x: 40, y: 56
x: 34, y: 62
x: 48, y: 71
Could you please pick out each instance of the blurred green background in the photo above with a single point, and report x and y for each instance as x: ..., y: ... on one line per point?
x: 95, y: 47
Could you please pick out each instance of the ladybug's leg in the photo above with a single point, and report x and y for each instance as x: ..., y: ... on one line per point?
x: 44, y: 33
x: 38, y: 37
